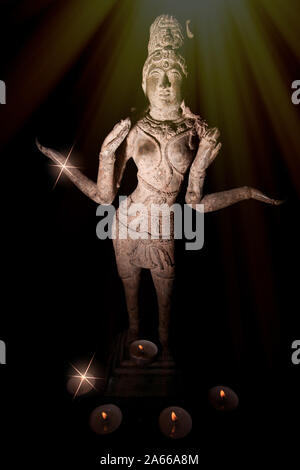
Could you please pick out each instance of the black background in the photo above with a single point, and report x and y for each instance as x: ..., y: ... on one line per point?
x: 63, y: 301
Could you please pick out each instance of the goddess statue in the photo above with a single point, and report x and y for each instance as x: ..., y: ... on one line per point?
x: 168, y: 141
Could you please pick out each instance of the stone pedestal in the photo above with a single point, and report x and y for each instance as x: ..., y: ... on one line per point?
x: 161, y: 378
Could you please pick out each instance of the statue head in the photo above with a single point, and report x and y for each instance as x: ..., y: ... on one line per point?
x: 164, y: 68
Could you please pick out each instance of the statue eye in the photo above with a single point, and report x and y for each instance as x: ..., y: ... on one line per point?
x: 175, y: 73
x: 154, y: 73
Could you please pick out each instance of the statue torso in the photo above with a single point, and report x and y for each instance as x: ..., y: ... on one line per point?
x: 163, y: 151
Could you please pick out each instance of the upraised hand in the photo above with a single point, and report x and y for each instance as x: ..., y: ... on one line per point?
x: 207, y: 150
x: 115, y: 138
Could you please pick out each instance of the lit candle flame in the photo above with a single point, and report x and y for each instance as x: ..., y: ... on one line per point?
x: 174, y: 417
x: 141, y: 348
x: 104, y: 415
x: 222, y: 394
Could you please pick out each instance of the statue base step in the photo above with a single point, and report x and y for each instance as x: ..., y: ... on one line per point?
x: 126, y: 379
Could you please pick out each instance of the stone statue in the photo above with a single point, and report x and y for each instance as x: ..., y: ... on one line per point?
x: 167, y: 142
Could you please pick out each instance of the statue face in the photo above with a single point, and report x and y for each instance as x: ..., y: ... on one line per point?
x: 163, y: 87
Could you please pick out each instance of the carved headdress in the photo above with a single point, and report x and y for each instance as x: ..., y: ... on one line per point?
x: 165, y: 38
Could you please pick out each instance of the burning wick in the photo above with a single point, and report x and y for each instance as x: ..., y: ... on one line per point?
x: 105, y: 418
x: 222, y: 399
x: 174, y: 418
x: 142, y: 352
x: 175, y: 422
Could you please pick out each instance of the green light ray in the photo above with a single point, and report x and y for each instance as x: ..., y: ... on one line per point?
x: 283, y: 15
x: 48, y: 54
x: 273, y: 89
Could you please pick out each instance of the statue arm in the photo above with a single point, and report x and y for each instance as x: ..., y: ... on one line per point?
x: 215, y: 201
x: 105, y: 190
x: 111, y: 169
x: 206, y: 154
x: 86, y: 186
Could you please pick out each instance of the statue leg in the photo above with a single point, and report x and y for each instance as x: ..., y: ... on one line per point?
x: 130, y: 276
x: 131, y: 287
x: 216, y: 201
x: 163, y: 287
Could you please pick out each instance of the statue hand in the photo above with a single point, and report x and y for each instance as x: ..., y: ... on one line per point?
x: 208, y: 150
x: 115, y: 138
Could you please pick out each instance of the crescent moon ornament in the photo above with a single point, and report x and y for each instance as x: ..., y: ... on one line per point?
x: 188, y: 31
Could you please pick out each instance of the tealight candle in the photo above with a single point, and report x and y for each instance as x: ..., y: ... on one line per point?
x: 106, y: 419
x: 175, y: 422
x: 223, y: 398
x: 142, y: 352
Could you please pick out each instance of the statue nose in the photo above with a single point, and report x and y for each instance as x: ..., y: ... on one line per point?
x: 164, y: 83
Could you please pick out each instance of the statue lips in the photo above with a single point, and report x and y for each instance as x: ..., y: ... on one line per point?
x: 165, y: 96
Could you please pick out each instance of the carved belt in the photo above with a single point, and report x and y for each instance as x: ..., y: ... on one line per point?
x: 159, y: 191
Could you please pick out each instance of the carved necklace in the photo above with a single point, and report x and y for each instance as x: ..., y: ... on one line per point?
x: 165, y: 129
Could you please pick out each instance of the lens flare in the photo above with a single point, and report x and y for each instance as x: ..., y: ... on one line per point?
x: 83, y: 377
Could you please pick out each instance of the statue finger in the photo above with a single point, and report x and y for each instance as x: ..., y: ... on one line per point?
x: 121, y: 126
x: 212, y: 134
x: 112, y: 145
x: 215, y: 152
x: 119, y: 131
x: 50, y: 153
